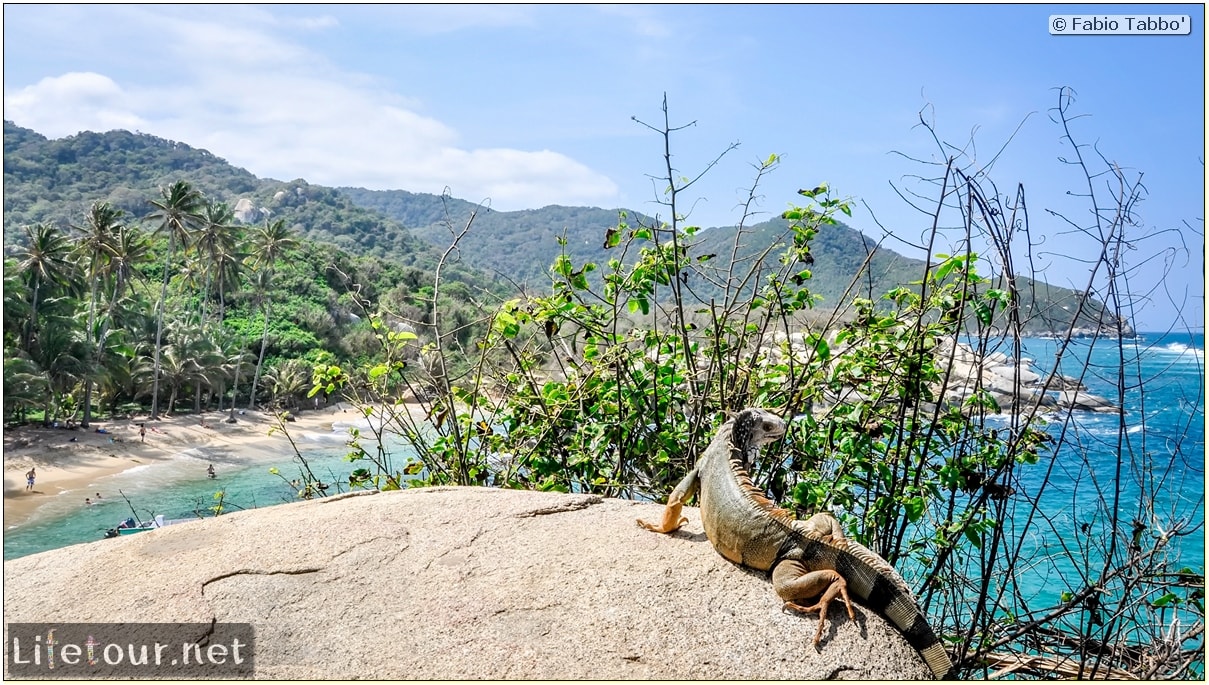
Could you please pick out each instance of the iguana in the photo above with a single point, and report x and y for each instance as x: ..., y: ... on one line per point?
x: 808, y: 558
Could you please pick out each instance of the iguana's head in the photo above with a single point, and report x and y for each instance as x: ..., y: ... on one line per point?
x: 754, y: 427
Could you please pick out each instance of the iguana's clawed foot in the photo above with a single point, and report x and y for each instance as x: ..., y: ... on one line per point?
x: 795, y: 582
x: 821, y: 609
x: 663, y: 527
x: 672, y: 520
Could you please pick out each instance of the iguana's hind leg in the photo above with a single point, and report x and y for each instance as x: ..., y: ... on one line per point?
x: 793, y: 581
x: 823, y: 524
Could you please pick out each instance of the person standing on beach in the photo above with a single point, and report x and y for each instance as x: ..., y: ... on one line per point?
x: 29, y: 479
x: 142, y: 433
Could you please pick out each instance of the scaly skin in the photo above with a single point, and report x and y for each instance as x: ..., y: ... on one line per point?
x: 808, y: 559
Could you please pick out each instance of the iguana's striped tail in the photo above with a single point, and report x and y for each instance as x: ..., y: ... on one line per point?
x: 878, y: 585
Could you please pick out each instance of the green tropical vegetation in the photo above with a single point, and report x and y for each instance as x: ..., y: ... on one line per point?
x: 170, y: 302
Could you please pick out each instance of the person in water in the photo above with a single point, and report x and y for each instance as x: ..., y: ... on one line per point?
x: 210, y: 471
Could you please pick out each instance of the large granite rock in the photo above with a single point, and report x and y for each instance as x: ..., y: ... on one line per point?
x: 247, y: 212
x: 458, y: 583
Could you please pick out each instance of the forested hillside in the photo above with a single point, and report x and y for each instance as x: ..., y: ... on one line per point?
x: 263, y: 280
x: 522, y: 245
x: 56, y: 181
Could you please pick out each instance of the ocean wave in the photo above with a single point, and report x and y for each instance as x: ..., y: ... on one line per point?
x: 1180, y: 349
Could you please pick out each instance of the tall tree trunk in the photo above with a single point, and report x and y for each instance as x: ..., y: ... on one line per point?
x: 95, y: 353
x: 235, y: 392
x: 264, y: 337
x: 159, y: 330
x: 33, y: 317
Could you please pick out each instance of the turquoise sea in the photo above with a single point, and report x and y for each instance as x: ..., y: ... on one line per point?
x: 180, y: 489
x: 1166, y: 423
x: 1145, y: 465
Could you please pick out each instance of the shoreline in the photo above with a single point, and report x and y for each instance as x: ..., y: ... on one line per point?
x: 69, y: 461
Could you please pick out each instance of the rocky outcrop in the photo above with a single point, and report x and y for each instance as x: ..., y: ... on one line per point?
x: 1013, y: 384
x: 247, y: 212
x: 456, y: 583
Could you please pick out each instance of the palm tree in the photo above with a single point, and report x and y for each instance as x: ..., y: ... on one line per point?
x: 95, y: 247
x: 178, y: 211
x: 24, y: 385
x: 269, y: 243
x: 288, y: 381
x: 215, y: 242
x: 45, y: 263
x: 16, y: 305
x: 238, y: 360
x: 129, y: 251
x: 209, y: 360
x: 61, y: 356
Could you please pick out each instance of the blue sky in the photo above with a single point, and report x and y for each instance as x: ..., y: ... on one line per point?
x: 531, y: 105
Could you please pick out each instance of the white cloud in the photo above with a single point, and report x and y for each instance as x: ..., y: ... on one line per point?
x: 74, y: 102
x: 280, y: 110
x: 644, y: 21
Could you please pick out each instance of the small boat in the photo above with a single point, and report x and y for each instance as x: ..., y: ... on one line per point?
x: 130, y: 526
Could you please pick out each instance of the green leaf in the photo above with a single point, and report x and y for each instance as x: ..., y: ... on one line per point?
x: 983, y: 312
x: 1165, y: 600
x: 943, y: 269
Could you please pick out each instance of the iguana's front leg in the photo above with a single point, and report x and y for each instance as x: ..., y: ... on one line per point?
x: 672, y: 520
x: 793, y: 581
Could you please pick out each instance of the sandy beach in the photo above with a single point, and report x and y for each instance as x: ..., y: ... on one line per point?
x: 69, y: 460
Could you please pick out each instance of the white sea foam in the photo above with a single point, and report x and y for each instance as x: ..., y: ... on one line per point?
x: 1184, y: 350
x: 333, y: 438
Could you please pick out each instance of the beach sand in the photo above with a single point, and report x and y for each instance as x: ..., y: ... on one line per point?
x: 65, y: 465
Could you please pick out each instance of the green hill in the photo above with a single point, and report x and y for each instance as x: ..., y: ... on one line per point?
x: 522, y: 244
x: 57, y: 180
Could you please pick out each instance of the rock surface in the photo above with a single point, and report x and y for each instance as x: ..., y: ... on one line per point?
x: 459, y: 583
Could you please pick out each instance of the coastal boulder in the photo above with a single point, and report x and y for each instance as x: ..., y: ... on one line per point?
x: 456, y: 583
